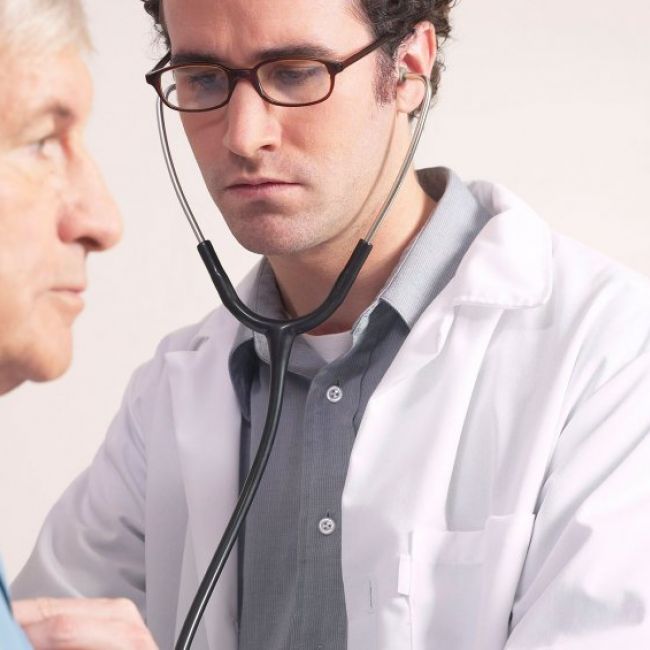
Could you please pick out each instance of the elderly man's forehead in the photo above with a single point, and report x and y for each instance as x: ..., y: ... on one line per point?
x: 40, y: 85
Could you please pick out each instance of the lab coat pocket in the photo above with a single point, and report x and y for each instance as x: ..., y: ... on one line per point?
x: 461, y: 584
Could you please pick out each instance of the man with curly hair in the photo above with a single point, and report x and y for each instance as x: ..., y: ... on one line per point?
x: 460, y: 441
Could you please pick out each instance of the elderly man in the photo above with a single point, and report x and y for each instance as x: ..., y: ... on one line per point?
x: 462, y: 457
x: 54, y: 210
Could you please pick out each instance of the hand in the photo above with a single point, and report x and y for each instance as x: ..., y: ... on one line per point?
x: 79, y: 624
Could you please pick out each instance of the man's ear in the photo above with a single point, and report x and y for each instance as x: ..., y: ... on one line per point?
x: 417, y: 55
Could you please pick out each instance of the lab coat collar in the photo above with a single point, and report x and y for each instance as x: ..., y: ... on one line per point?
x: 507, y: 267
x: 510, y: 263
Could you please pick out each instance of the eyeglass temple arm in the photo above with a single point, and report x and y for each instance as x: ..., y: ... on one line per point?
x: 341, y: 65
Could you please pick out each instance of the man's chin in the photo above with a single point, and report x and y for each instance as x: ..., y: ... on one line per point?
x: 270, y: 247
x: 271, y: 236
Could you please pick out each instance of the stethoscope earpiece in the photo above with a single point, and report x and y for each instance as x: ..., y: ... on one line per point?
x: 403, y: 73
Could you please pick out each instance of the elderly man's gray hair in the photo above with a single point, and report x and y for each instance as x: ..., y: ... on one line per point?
x: 36, y: 26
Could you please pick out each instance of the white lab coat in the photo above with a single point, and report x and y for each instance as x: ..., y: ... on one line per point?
x: 498, y: 493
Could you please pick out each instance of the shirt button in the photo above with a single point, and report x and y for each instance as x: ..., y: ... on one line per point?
x: 327, y: 526
x: 334, y: 394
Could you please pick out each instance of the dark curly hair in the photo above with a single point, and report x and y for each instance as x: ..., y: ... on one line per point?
x: 384, y: 17
x: 399, y: 17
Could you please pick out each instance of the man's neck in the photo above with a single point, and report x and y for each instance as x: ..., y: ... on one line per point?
x: 305, y: 280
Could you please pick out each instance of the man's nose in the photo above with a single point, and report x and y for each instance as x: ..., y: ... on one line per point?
x: 251, y: 125
x: 90, y: 214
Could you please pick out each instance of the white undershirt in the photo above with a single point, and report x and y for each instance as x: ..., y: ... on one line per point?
x: 330, y: 346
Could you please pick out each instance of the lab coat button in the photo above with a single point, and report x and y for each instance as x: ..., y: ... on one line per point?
x: 327, y: 526
x: 334, y: 394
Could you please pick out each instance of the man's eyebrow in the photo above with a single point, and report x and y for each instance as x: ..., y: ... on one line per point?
x: 299, y: 50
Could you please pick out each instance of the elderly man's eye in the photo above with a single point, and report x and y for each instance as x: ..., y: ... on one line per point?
x: 49, y: 147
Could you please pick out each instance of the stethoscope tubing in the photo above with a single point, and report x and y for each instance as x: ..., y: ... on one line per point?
x: 280, y: 335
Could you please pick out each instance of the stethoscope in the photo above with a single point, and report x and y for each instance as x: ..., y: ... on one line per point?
x: 280, y: 335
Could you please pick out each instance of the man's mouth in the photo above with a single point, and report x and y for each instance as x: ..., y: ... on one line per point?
x: 259, y: 187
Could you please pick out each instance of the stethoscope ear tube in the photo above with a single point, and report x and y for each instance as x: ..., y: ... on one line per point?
x: 280, y: 336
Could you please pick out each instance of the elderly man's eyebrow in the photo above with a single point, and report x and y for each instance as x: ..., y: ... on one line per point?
x: 55, y: 108
x: 299, y: 50
x: 32, y: 116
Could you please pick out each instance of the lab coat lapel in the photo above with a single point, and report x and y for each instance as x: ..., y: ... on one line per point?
x: 207, y: 423
x: 508, y: 266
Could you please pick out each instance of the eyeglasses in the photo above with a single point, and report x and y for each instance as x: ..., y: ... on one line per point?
x: 198, y: 87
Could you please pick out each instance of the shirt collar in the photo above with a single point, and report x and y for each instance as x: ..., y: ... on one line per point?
x: 433, y: 257
x: 4, y: 590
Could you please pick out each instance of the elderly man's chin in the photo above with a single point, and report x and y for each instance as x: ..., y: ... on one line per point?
x: 44, y: 354
x: 55, y: 343
x: 50, y: 359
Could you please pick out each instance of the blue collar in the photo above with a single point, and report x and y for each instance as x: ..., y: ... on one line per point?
x: 4, y: 591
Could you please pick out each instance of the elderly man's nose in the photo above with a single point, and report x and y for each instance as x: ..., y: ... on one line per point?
x: 91, y: 216
x: 250, y: 123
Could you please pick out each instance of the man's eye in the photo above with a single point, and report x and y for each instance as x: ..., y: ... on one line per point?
x: 203, y: 82
x: 296, y: 75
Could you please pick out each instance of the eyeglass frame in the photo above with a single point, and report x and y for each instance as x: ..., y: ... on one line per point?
x: 154, y: 76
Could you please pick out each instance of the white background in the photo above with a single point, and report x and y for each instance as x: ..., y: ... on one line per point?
x: 549, y: 98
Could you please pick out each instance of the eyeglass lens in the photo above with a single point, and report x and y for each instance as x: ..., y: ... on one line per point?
x: 288, y: 82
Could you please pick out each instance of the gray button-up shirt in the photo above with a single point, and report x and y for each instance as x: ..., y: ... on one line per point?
x: 290, y: 583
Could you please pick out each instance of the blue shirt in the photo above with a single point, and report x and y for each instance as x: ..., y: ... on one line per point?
x: 11, y: 636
